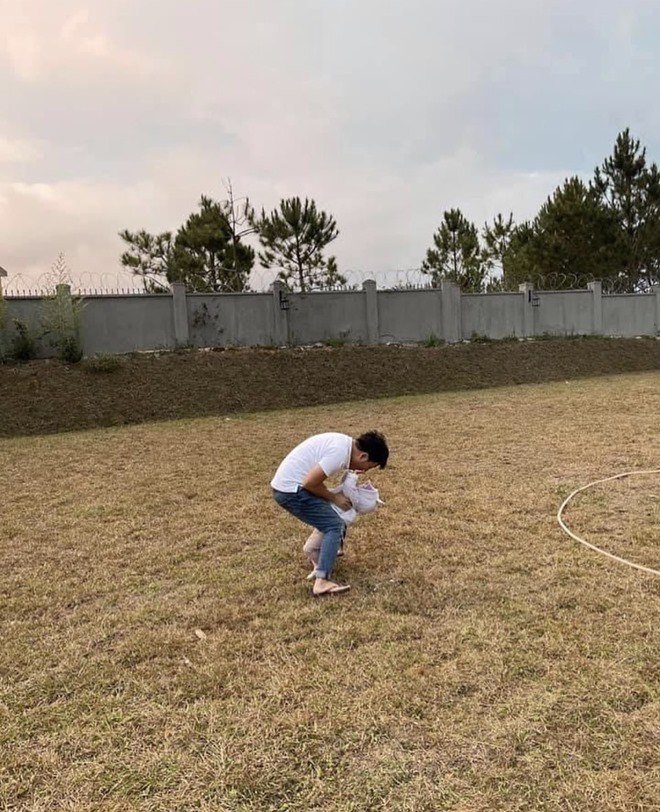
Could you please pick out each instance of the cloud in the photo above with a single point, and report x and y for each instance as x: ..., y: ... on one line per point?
x: 385, y: 222
x: 79, y: 219
x: 18, y: 151
x: 63, y: 39
x: 119, y: 115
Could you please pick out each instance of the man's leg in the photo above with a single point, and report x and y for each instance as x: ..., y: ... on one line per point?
x: 333, y: 533
x: 319, y: 514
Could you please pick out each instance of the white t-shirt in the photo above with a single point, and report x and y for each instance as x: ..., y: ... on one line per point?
x: 332, y: 451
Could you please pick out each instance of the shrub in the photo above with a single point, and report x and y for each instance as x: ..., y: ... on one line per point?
x: 23, y: 345
x: 433, y: 341
x: 62, y: 315
x: 70, y: 349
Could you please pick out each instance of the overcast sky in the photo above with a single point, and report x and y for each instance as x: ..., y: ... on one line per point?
x: 121, y: 113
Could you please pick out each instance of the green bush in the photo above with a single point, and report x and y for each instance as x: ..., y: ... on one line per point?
x: 23, y: 345
x: 61, y: 315
x: 61, y: 321
x: 70, y: 349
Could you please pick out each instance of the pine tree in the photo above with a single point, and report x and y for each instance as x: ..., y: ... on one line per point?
x: 293, y: 238
x: 206, y: 254
x: 631, y: 192
x: 456, y: 255
x: 574, y: 235
x: 496, y: 243
x: 519, y: 262
x: 150, y: 257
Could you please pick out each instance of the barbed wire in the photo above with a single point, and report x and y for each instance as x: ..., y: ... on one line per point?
x: 86, y: 283
x: 260, y: 281
x: 611, y: 285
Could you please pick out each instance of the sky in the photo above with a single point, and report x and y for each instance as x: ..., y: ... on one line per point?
x: 120, y: 114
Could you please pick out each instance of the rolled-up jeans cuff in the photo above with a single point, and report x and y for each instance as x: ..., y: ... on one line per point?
x: 321, y: 574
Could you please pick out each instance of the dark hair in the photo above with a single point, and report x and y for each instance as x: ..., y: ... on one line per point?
x: 375, y: 445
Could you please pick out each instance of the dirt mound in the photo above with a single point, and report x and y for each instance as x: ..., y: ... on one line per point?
x: 48, y: 396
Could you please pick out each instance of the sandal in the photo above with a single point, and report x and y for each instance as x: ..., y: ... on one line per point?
x: 333, y: 589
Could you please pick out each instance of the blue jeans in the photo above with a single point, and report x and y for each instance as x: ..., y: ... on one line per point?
x: 318, y: 513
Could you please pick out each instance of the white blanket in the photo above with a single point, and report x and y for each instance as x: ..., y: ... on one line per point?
x: 364, y: 498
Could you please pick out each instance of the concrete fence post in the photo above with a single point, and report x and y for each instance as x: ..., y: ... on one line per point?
x: 528, y: 309
x: 452, y: 328
x: 371, y: 308
x: 280, y: 314
x: 596, y: 289
x: 438, y: 333
x: 656, y: 290
x: 65, y: 302
x: 180, y: 310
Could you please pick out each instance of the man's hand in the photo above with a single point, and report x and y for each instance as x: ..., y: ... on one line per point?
x: 314, y: 482
x: 342, y: 501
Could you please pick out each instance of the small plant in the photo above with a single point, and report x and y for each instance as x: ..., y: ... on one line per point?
x: 62, y: 315
x: 335, y: 342
x: 23, y: 345
x: 433, y: 341
x: 104, y: 363
x: 70, y: 350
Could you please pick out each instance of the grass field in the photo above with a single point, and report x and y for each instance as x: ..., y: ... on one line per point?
x: 159, y: 649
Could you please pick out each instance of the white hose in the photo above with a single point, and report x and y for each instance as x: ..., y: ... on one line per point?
x: 592, y: 546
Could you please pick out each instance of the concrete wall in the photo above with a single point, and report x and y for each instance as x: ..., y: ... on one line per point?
x: 495, y: 315
x: 116, y: 324
x: 630, y: 315
x: 564, y: 313
x: 234, y: 318
x: 339, y: 315
x: 409, y: 315
x: 127, y: 323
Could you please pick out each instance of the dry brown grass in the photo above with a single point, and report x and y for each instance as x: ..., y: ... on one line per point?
x: 602, y: 516
x: 483, y: 660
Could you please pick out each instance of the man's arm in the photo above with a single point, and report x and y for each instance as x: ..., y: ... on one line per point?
x: 314, y: 482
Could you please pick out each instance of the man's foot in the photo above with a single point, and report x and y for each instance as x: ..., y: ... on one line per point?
x: 324, y: 587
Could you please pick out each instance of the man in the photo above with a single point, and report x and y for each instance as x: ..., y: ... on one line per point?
x: 299, y: 487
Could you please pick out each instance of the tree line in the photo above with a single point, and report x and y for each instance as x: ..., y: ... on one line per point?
x: 209, y: 253
x: 607, y: 228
